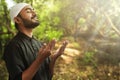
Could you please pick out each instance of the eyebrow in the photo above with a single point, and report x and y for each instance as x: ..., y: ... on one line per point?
x: 29, y: 9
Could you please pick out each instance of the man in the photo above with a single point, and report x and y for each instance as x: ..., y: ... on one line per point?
x: 25, y: 57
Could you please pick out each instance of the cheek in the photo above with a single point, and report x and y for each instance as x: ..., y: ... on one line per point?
x: 27, y: 16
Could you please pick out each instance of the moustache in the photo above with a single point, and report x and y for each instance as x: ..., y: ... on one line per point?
x: 34, y: 17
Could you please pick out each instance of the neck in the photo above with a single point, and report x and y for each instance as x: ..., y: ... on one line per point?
x: 27, y: 32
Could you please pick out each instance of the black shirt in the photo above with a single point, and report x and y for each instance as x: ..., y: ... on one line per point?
x: 19, y: 55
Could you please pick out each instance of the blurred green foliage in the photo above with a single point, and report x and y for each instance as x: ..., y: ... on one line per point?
x: 89, y: 58
x: 3, y: 71
x: 47, y: 35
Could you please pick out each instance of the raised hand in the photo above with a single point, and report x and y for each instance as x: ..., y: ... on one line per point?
x: 54, y: 56
x: 45, y: 51
x: 60, y: 51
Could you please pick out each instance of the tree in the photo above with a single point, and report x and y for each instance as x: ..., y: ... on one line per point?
x: 5, y: 23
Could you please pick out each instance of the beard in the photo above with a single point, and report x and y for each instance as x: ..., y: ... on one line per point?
x: 30, y: 23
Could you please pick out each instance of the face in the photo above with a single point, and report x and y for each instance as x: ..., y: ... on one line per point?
x: 28, y: 17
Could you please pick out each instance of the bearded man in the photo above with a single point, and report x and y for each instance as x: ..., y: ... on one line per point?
x: 27, y: 58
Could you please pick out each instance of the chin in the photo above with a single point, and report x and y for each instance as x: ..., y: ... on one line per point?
x: 31, y: 26
x: 35, y: 24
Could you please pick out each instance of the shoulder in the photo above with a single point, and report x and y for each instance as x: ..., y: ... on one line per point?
x: 11, y: 49
x: 12, y: 43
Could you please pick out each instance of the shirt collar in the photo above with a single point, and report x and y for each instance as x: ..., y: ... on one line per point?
x: 24, y: 35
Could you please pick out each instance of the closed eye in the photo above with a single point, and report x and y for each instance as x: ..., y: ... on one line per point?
x: 29, y: 10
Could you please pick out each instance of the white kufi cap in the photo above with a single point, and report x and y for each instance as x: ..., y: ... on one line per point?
x: 15, y: 10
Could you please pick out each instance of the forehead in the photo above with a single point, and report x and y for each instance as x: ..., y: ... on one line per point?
x: 26, y: 8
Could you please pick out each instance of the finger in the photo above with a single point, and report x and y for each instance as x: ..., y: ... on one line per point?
x: 47, y: 49
x: 41, y: 50
x: 43, y: 46
x: 52, y: 44
x: 60, y: 51
x: 64, y: 44
x: 62, y: 48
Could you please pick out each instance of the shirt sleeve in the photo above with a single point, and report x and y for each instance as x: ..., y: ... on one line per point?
x: 47, y: 64
x: 14, y: 63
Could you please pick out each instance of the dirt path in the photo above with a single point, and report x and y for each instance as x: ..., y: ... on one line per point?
x: 71, y: 66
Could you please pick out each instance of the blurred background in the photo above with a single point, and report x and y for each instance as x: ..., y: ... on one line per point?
x: 92, y: 28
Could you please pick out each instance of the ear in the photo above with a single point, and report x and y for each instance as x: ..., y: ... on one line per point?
x: 17, y: 19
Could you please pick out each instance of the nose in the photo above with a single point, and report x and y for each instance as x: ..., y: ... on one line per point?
x: 33, y: 13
